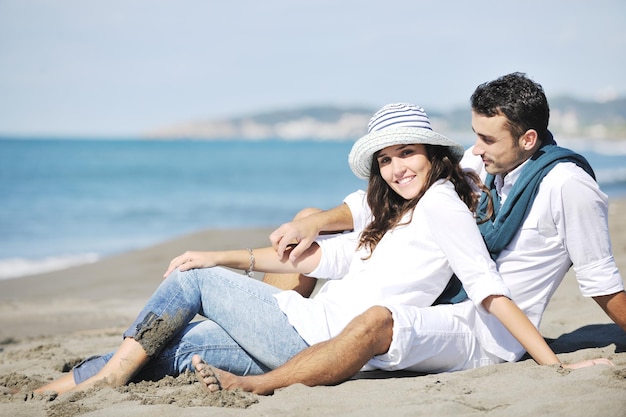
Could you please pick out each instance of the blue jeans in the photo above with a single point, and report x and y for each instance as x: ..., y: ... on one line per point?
x: 245, y: 333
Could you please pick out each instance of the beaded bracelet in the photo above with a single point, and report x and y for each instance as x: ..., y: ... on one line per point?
x: 250, y: 271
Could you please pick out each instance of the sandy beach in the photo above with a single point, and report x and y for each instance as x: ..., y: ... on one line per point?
x: 51, y: 321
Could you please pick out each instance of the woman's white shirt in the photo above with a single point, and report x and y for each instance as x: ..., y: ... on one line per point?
x: 411, y: 265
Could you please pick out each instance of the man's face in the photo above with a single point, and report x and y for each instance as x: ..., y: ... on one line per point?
x: 500, y: 152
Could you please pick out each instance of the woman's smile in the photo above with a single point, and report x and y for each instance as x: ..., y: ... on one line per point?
x: 405, y: 180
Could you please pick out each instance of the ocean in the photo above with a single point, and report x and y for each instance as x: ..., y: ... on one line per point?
x: 67, y: 202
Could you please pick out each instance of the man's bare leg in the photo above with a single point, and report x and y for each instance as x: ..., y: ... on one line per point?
x: 326, y: 363
x: 299, y: 283
x: 127, y: 360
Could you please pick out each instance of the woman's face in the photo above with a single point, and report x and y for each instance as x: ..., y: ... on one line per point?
x: 404, y: 168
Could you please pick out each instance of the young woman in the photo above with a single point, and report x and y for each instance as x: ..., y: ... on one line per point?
x: 422, y: 231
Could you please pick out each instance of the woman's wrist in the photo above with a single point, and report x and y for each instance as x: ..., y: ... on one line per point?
x: 250, y: 270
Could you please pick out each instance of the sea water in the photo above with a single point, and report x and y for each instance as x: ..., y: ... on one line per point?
x: 65, y: 202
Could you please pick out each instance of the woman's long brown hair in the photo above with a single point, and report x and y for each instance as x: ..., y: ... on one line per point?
x: 388, y: 207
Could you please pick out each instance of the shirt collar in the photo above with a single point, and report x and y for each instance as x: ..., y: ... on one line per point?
x: 504, y: 184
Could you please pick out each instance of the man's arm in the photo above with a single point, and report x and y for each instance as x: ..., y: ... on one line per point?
x: 614, y: 305
x: 303, y: 230
x: 586, y: 221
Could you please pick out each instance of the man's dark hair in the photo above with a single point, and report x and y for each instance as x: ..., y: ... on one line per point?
x: 517, y: 97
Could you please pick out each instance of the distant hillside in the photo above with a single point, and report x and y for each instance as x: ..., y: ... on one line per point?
x: 573, y: 117
x: 569, y: 117
x: 330, y: 123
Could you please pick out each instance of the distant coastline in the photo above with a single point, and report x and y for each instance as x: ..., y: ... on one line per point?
x: 570, y: 118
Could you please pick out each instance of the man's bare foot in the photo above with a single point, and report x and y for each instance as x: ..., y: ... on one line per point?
x: 207, y: 375
x: 214, y: 379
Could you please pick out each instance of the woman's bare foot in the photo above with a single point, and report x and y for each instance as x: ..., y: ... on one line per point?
x: 8, y: 390
x: 124, y: 363
x: 60, y: 385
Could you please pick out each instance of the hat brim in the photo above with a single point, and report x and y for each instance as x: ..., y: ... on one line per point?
x: 360, y: 158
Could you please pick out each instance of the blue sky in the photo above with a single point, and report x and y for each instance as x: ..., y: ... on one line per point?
x: 122, y: 67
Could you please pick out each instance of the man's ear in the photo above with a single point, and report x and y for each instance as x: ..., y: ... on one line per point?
x: 529, y: 140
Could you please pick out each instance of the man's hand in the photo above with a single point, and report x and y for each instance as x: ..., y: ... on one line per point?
x: 298, y: 235
x: 295, y: 237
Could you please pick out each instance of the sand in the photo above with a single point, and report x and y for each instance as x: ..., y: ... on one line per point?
x: 51, y: 321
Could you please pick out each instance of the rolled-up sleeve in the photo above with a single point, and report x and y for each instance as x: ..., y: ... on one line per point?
x: 337, y: 254
x: 361, y: 213
x: 584, y: 225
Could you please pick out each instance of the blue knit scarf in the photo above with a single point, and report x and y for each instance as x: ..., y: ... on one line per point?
x: 505, y: 222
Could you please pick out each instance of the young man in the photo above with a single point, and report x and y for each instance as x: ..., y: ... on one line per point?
x: 552, y: 215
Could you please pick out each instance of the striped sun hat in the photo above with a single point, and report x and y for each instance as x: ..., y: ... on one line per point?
x: 396, y: 124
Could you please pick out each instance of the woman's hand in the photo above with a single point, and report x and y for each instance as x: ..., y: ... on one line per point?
x: 191, y: 260
x: 588, y: 363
